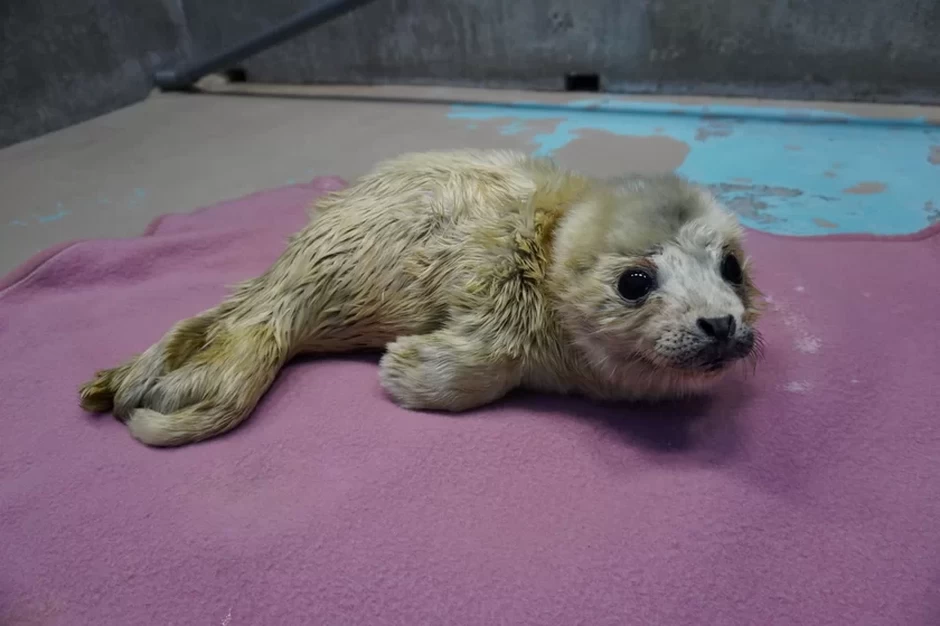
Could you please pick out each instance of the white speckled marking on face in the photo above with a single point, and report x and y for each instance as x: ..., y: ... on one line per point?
x: 690, y: 282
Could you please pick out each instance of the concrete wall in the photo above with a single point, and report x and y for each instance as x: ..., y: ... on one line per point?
x: 63, y: 61
x: 841, y: 49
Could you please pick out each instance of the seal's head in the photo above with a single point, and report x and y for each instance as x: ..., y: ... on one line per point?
x: 653, y: 285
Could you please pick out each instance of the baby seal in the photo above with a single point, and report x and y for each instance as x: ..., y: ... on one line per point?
x: 478, y: 272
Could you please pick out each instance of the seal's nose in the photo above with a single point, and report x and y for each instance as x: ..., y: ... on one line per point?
x: 718, y: 328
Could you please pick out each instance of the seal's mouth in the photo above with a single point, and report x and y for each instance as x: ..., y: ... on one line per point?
x: 716, y: 358
x: 692, y: 367
x: 717, y: 365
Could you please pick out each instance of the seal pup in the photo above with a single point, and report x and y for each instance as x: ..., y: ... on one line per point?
x: 478, y: 272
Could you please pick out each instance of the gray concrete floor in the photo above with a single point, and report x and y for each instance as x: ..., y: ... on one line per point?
x: 111, y: 176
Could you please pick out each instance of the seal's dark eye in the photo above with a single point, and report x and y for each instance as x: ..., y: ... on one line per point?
x: 731, y: 269
x: 635, y: 284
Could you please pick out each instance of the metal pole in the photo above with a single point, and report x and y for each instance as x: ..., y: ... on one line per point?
x: 184, y: 76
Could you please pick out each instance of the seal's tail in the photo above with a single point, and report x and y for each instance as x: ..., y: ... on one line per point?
x: 202, y: 379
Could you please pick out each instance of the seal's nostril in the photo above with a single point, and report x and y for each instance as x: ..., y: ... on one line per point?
x: 720, y: 328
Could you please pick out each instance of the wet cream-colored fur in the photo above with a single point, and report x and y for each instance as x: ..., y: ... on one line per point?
x: 478, y: 272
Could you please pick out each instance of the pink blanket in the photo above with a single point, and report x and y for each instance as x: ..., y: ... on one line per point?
x: 806, y: 494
